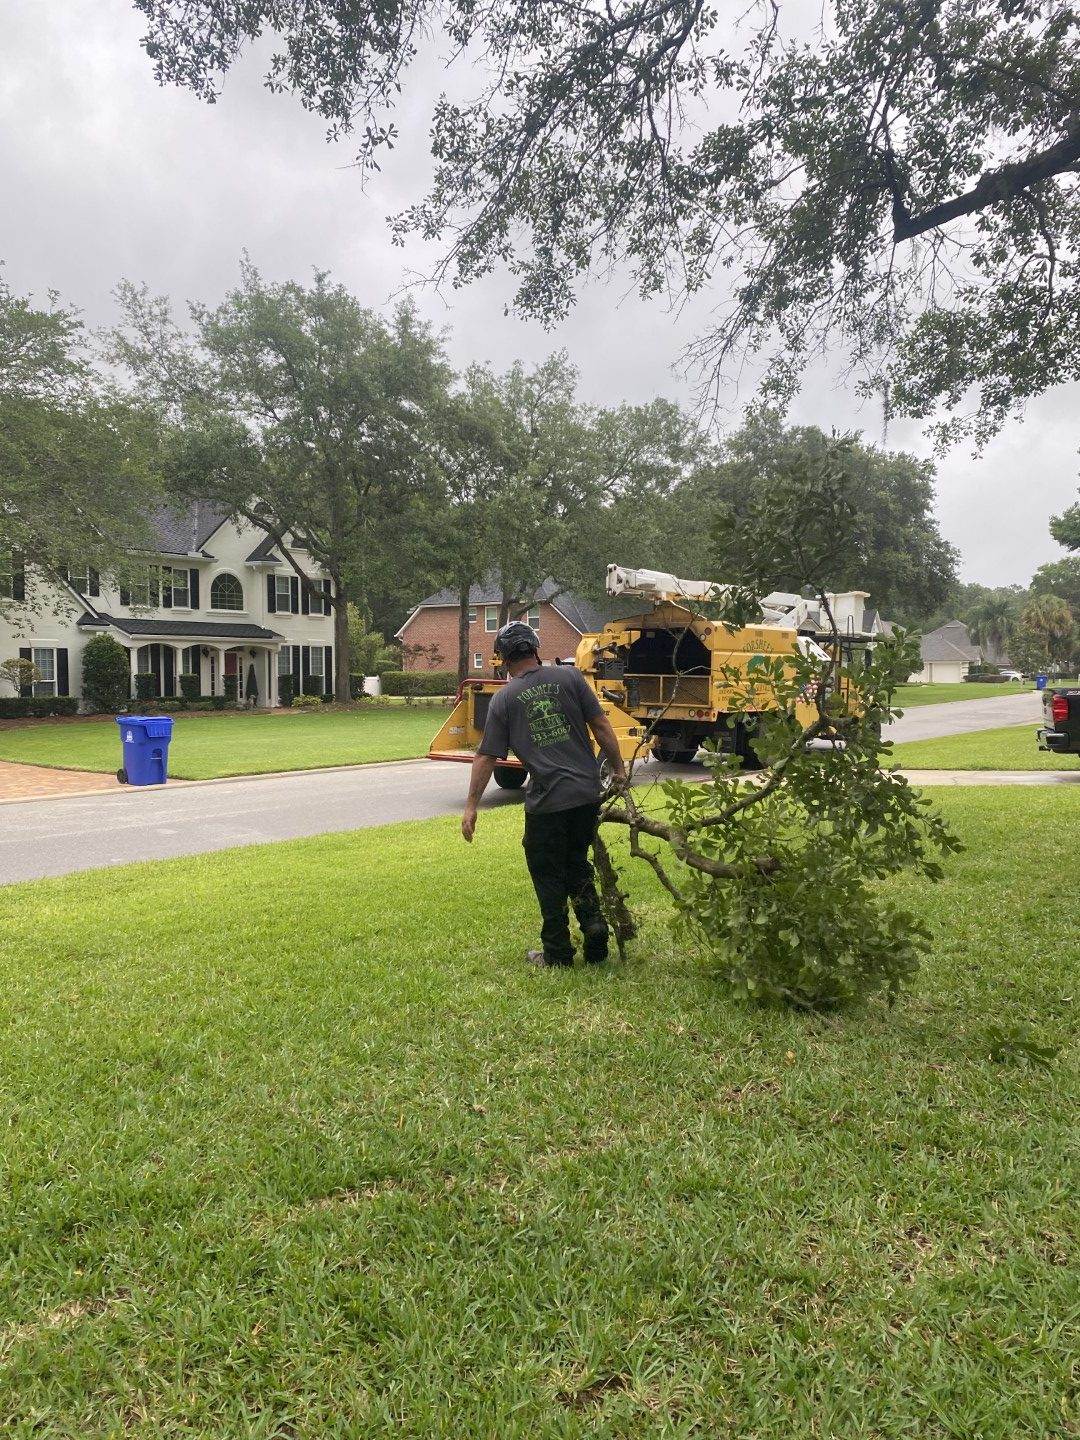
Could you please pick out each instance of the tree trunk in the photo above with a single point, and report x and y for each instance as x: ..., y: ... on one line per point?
x: 342, y: 656
x: 463, y: 632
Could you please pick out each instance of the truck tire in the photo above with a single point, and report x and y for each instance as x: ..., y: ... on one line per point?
x: 744, y: 748
x: 669, y: 749
x: 509, y: 777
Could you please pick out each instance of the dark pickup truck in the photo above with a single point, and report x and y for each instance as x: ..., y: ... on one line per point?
x: 1060, y: 731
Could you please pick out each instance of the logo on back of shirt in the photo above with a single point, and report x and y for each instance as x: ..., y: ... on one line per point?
x: 544, y: 715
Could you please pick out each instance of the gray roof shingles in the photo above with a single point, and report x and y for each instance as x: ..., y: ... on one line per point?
x: 184, y: 629
x: 949, y: 642
x: 185, y: 529
x: 585, y: 616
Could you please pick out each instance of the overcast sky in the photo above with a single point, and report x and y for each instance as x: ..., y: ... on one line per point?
x: 104, y: 175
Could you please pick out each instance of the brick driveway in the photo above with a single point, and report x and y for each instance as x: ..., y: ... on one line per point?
x: 31, y: 782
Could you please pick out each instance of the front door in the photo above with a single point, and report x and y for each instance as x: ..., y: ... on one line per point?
x: 234, y: 665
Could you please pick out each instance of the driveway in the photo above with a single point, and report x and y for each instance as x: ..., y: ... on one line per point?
x: 24, y: 782
x: 957, y: 717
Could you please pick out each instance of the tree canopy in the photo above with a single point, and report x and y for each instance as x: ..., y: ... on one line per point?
x: 78, y: 463
x: 899, y: 181
x: 892, y: 546
x: 299, y: 410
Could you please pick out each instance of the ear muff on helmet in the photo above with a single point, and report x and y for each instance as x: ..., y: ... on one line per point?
x: 516, y: 639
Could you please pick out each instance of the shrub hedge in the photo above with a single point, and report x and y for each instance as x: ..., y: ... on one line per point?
x: 419, y: 682
x: 106, y: 671
x: 313, y: 685
x: 285, y: 690
x: 37, y: 707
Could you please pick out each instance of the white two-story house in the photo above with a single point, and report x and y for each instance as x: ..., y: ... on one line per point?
x: 217, y: 600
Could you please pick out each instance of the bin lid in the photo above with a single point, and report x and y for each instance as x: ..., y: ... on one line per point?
x: 154, y: 727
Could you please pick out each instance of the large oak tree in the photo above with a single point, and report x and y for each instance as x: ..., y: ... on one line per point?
x: 302, y: 412
x: 900, y: 180
x: 78, y: 462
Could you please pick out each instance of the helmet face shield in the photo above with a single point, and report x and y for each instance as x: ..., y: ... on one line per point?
x: 515, y: 640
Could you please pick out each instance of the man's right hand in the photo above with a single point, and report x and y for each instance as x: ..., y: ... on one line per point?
x: 468, y: 823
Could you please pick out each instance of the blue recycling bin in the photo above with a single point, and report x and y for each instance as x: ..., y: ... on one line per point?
x: 1040, y: 682
x: 145, y: 741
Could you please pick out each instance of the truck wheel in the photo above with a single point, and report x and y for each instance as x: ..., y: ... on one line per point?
x: 744, y: 748
x: 674, y: 753
x: 510, y: 777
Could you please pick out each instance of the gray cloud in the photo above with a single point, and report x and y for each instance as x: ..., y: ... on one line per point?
x: 103, y: 175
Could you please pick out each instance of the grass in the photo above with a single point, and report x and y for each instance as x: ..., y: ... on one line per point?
x: 1011, y: 748
x: 297, y: 1147
x: 207, y: 746
x: 909, y: 695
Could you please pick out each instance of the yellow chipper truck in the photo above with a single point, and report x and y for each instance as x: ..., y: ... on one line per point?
x: 663, y: 674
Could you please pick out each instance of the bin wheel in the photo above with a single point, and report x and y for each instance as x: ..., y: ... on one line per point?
x: 509, y: 777
x: 122, y: 775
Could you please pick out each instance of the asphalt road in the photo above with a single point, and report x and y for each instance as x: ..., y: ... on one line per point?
x: 58, y: 836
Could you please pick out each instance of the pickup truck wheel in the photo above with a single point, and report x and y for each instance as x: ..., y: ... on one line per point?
x: 509, y: 777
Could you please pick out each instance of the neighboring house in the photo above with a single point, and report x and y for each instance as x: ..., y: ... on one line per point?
x: 947, y: 655
x: 559, y: 617
x: 217, y: 600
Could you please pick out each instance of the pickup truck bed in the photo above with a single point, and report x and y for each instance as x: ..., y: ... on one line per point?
x: 1060, y: 731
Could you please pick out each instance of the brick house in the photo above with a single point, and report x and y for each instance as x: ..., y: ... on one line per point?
x: 560, y: 619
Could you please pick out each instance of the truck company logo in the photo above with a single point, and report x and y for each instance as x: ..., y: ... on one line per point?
x: 543, y: 713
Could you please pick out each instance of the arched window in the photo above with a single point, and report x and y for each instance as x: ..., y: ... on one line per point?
x: 226, y: 593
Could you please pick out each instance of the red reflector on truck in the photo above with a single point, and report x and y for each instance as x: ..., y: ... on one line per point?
x: 1059, y: 709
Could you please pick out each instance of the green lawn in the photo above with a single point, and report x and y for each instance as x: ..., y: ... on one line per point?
x: 297, y: 1147
x: 909, y: 695
x: 206, y: 746
x: 1011, y: 748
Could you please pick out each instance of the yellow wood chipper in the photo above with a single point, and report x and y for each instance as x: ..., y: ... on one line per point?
x: 664, y: 674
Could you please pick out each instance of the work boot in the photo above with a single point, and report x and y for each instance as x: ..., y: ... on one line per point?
x: 540, y: 960
x: 594, y: 940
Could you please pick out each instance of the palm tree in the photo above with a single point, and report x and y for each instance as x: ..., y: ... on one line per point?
x: 992, y: 622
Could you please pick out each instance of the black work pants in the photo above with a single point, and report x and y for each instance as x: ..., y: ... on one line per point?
x: 557, y: 854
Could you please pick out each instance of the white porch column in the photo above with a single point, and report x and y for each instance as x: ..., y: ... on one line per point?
x: 220, y: 649
x: 134, y: 652
x: 178, y: 666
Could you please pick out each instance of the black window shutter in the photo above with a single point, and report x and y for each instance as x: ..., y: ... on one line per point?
x: 62, y: 672
x: 193, y: 588
x: 296, y: 668
x: 328, y: 669
x: 95, y: 584
x: 125, y: 596
x: 305, y: 600
x: 169, y: 656
x: 271, y: 593
x: 294, y: 592
x: 18, y: 578
x: 305, y: 664
x: 25, y: 653
x: 165, y: 582
x: 328, y: 594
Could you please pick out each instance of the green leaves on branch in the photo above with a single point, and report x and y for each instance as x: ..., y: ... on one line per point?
x: 777, y: 878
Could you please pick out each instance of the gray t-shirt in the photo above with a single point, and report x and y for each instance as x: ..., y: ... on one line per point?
x: 542, y: 716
